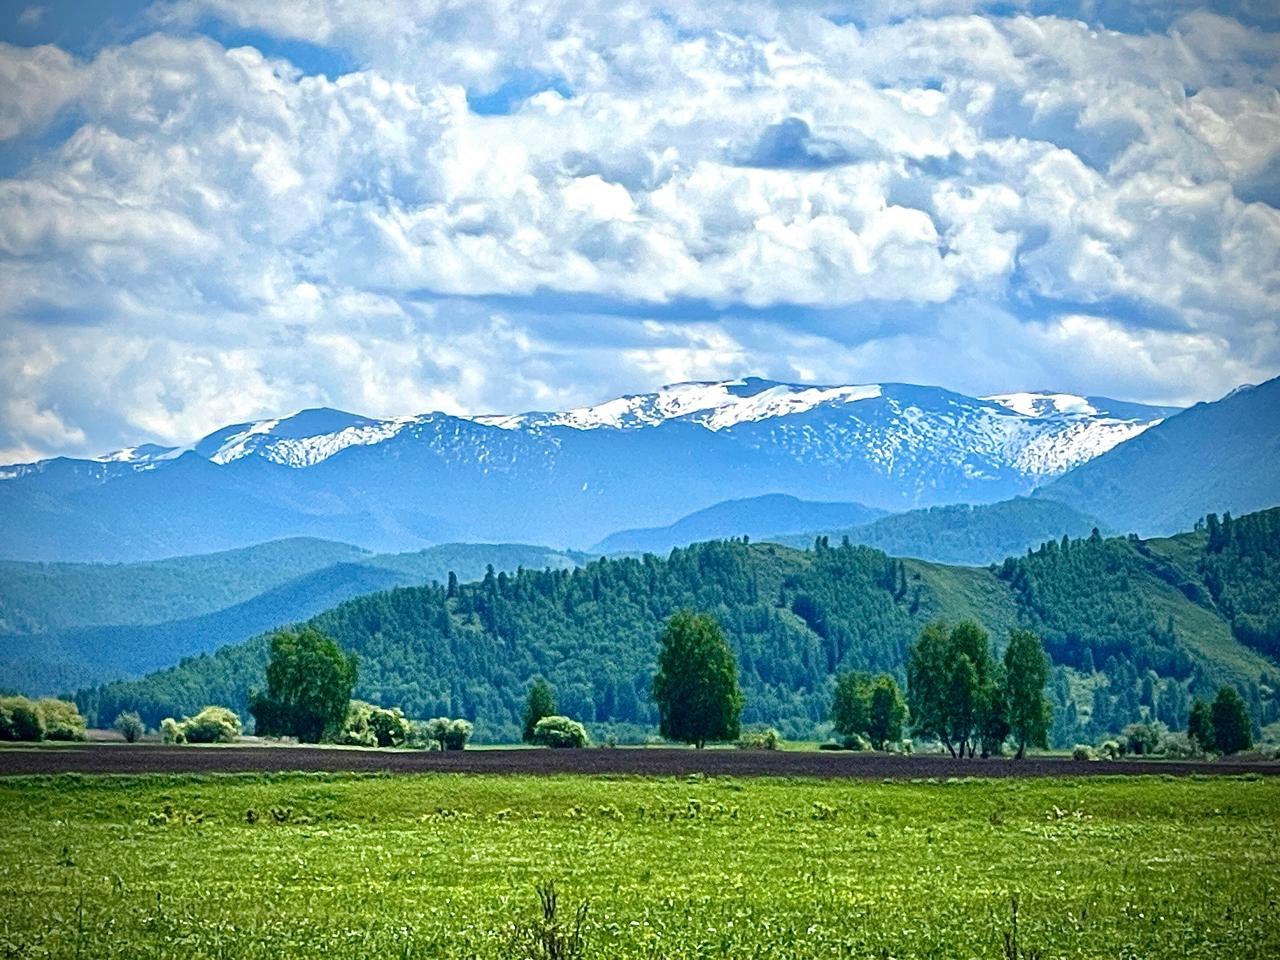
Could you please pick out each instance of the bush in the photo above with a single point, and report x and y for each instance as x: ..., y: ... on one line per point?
x: 558, y: 731
x: 130, y: 726
x: 62, y: 720
x: 210, y: 725
x: 857, y: 742
x: 1141, y: 739
x: 368, y: 725
x: 765, y: 738
x: 1111, y: 749
x: 20, y: 719
x: 1180, y: 746
x: 449, y: 734
x: 389, y: 726
x: 1083, y: 752
x: 171, y: 731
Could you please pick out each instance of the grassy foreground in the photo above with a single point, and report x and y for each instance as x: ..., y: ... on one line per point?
x: 337, y: 866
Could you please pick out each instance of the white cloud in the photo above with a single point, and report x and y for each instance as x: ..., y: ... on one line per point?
x: 223, y: 236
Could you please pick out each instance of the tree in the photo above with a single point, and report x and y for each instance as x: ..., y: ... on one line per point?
x: 1232, y: 731
x: 696, y: 686
x: 130, y: 726
x: 951, y: 686
x: 867, y: 706
x: 309, y: 683
x: 1200, y: 725
x: 540, y: 703
x: 851, y: 704
x: 888, y: 711
x: 1026, y: 671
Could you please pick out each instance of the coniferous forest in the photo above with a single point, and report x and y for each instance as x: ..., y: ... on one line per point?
x: 1134, y: 630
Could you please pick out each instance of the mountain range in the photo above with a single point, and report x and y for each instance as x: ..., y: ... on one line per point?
x: 568, y: 479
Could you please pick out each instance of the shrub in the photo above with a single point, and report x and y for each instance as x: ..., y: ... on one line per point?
x: 1141, y: 739
x: 558, y: 731
x: 550, y: 936
x: 1083, y: 752
x: 765, y: 738
x: 368, y: 725
x: 1179, y: 746
x: 62, y: 720
x: 1111, y: 749
x: 172, y: 731
x: 857, y: 742
x: 389, y: 726
x: 459, y: 732
x: 20, y: 719
x: 210, y: 725
x: 130, y: 726
x: 449, y: 734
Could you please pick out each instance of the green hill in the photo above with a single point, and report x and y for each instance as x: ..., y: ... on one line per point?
x: 114, y: 624
x: 1132, y: 629
x: 43, y: 597
x: 963, y: 534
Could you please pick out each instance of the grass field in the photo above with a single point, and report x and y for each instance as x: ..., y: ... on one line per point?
x: 440, y: 865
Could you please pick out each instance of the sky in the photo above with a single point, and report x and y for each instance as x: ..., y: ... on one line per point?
x: 214, y: 211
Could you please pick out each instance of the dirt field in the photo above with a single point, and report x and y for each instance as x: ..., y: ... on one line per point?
x: 149, y: 758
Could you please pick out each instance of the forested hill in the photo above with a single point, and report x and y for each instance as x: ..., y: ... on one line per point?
x: 66, y: 625
x: 1134, y: 628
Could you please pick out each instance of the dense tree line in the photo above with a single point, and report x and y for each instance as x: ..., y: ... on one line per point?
x: 1240, y: 567
x: 1110, y: 612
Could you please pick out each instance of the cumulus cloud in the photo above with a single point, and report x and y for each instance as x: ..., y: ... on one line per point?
x: 203, y: 234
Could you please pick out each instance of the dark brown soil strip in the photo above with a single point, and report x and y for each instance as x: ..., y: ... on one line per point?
x: 148, y: 758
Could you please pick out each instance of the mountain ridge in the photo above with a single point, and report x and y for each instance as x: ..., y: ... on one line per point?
x: 405, y: 483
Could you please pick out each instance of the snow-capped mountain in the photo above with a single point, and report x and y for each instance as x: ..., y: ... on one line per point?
x: 564, y: 478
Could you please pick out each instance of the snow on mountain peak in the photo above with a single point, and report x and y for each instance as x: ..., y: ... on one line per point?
x: 1045, y: 404
x: 712, y: 404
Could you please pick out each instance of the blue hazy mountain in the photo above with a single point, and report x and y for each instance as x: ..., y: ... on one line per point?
x: 1214, y: 457
x: 567, y: 478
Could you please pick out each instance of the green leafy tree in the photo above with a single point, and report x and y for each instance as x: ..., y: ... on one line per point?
x: 1231, y: 728
x: 951, y: 686
x: 696, y: 686
x: 541, y: 702
x: 309, y: 682
x: 1200, y: 725
x: 1026, y: 671
x: 887, y: 713
x: 867, y: 706
x: 851, y: 704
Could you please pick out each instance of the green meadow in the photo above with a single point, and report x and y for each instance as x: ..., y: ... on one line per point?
x: 445, y: 865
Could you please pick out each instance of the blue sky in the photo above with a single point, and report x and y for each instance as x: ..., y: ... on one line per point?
x: 218, y: 210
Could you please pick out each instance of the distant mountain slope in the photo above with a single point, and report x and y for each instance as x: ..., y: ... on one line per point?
x: 1125, y: 619
x: 756, y: 517
x: 40, y: 597
x: 52, y: 661
x: 567, y: 478
x: 962, y: 534
x: 1213, y: 457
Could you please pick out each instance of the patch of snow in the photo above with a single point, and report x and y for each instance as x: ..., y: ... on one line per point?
x: 1044, y: 404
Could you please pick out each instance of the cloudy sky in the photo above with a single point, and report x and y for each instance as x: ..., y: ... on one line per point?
x: 216, y: 210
